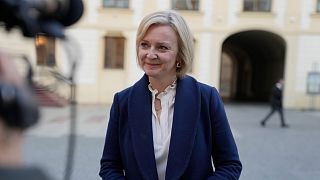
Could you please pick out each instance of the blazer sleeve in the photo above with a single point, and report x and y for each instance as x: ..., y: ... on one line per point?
x: 224, y: 151
x: 110, y: 164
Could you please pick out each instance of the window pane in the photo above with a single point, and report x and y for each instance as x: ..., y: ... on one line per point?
x: 45, y: 50
x: 185, y: 4
x: 114, y: 52
x: 318, y: 6
x: 116, y: 3
x: 257, y: 5
x: 248, y: 5
x: 263, y: 5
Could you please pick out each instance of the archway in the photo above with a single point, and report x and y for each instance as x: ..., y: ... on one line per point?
x: 251, y: 62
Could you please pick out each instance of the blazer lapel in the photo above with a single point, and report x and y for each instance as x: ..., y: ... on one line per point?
x: 140, y: 119
x: 186, y: 115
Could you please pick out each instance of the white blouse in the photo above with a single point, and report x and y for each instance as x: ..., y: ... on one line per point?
x: 161, y: 128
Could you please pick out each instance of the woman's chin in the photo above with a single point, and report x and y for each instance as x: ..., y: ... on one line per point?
x: 151, y: 72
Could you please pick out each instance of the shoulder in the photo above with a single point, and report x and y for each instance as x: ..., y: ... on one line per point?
x: 125, y: 92
x: 205, y: 89
x: 122, y: 96
x: 138, y: 88
x: 189, y: 80
x: 210, y: 94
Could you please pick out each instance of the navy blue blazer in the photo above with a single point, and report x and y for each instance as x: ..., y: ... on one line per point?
x: 200, y: 131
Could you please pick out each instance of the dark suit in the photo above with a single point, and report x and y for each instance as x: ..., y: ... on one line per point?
x: 200, y: 130
x: 276, y: 105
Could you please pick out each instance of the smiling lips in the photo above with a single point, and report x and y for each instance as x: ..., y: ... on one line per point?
x: 152, y: 66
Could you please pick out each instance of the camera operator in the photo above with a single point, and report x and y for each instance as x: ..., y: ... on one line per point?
x: 18, y: 112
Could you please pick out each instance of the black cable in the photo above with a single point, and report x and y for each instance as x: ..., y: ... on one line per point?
x: 72, y: 134
x: 74, y: 59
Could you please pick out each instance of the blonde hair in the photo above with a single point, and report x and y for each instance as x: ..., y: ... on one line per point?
x: 179, y: 25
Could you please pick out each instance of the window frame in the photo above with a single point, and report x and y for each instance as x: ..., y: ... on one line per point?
x: 45, y: 50
x: 255, y: 7
x: 115, y: 59
x: 186, y: 3
x: 116, y: 4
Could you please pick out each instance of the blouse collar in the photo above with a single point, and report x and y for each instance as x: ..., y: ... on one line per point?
x: 171, y: 87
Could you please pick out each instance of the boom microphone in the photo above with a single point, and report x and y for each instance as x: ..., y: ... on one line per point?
x: 74, y: 14
x: 65, y: 11
x: 40, y: 16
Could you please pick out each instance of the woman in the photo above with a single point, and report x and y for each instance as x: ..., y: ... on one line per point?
x: 168, y: 125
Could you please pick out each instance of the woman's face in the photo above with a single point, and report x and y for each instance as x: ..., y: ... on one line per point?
x: 158, y: 51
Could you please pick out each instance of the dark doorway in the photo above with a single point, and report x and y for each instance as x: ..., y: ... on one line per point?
x: 251, y: 62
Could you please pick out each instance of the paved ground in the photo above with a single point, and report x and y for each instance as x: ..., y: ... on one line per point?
x: 269, y: 153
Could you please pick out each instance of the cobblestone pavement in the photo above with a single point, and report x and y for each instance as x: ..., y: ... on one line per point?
x: 267, y: 153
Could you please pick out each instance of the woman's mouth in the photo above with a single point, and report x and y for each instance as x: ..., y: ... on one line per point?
x: 152, y: 66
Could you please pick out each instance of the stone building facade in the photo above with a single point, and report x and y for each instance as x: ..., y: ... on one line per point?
x: 242, y: 47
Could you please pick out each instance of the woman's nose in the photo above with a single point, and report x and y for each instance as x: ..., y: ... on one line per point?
x: 152, y: 54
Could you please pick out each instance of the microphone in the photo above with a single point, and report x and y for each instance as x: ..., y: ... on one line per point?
x: 40, y: 16
x: 65, y: 11
x: 74, y: 12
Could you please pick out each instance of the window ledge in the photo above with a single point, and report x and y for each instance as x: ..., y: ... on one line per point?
x: 190, y: 12
x: 315, y: 15
x: 115, y: 10
x: 257, y: 14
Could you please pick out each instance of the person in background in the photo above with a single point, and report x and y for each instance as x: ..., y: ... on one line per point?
x: 276, y: 104
x: 18, y: 112
x: 168, y: 125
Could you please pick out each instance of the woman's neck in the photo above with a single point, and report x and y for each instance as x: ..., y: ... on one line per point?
x: 161, y: 84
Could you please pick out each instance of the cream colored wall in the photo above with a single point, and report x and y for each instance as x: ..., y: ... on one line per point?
x: 14, y: 43
x: 96, y: 23
x: 302, y: 38
x: 290, y: 66
x: 315, y: 23
x: 293, y: 20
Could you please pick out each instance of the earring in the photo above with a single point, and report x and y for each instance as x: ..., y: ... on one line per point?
x: 178, y: 65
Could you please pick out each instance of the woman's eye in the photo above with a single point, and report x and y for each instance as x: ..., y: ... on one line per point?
x: 163, y: 48
x: 144, y: 45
